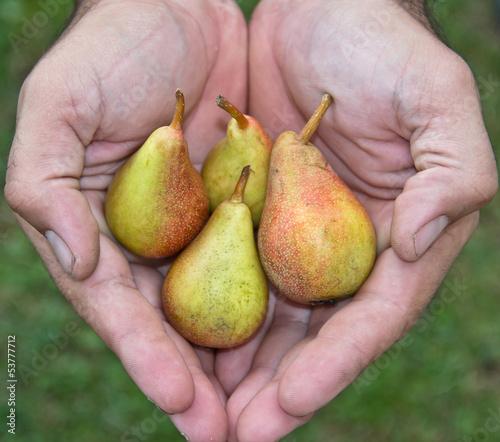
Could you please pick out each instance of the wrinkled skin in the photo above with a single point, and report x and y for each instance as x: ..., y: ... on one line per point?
x: 405, y: 133
x: 87, y: 105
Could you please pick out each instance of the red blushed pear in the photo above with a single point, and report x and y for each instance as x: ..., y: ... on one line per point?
x: 316, y: 241
x: 157, y: 202
x: 246, y: 142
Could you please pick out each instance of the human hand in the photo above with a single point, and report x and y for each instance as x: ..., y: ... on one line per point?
x: 406, y: 134
x: 90, y: 102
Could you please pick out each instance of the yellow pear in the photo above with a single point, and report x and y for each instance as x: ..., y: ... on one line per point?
x: 246, y: 142
x: 215, y: 293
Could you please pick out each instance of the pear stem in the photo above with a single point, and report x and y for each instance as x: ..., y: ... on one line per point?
x: 179, y: 110
x: 313, y: 122
x: 232, y: 110
x: 240, y: 186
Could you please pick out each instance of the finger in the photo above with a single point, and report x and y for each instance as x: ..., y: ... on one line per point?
x: 289, y: 326
x: 264, y: 419
x: 42, y: 182
x: 195, y: 422
x: 131, y: 327
x: 205, y: 419
x: 453, y: 156
x: 207, y: 360
x: 256, y: 399
x: 148, y: 281
x: 127, y: 323
x: 386, y: 307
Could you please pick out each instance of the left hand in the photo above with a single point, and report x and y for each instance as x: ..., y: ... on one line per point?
x: 405, y: 132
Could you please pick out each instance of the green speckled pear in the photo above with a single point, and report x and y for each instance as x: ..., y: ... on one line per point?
x: 215, y: 293
x: 157, y: 202
x: 316, y: 241
x: 246, y: 142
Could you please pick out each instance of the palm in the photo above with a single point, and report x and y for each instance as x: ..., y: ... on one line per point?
x: 362, y: 135
x: 132, y: 85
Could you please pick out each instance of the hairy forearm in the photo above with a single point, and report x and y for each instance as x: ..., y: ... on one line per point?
x: 82, y: 7
x: 421, y: 10
x: 85, y: 3
x: 415, y: 7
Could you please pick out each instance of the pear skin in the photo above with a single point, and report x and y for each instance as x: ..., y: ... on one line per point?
x: 157, y: 203
x: 316, y: 241
x: 215, y: 293
x: 246, y: 142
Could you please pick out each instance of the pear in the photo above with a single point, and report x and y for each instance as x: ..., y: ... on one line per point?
x: 215, y: 293
x: 246, y: 142
x: 157, y: 203
x: 316, y: 241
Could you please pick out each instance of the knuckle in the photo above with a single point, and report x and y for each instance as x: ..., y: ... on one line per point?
x: 16, y: 187
x: 463, y: 74
x: 21, y: 189
x: 489, y: 188
x: 16, y: 195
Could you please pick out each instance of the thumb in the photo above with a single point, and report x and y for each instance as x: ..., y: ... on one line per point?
x: 456, y: 175
x: 43, y: 188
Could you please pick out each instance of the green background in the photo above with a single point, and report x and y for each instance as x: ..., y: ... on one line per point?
x: 440, y: 383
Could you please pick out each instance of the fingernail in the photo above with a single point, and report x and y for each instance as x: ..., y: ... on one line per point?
x: 163, y: 411
x: 157, y: 406
x: 427, y: 234
x: 63, y: 254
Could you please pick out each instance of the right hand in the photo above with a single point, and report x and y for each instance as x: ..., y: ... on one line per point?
x: 89, y: 103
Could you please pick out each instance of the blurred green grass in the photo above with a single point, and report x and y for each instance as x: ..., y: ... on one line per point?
x: 439, y: 383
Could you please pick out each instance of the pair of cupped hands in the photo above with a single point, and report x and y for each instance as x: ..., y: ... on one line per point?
x: 405, y: 132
